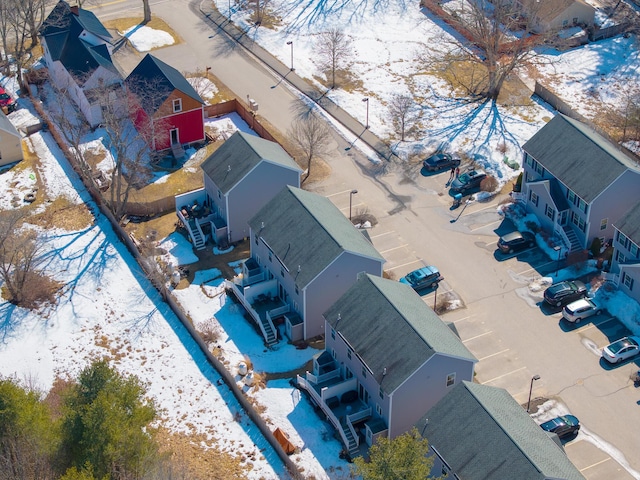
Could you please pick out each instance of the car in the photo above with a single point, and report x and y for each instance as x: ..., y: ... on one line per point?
x: 423, y: 277
x: 563, y: 426
x: 7, y: 104
x: 516, y: 241
x: 563, y: 293
x: 622, y: 349
x: 468, y: 181
x: 440, y: 161
x: 580, y: 309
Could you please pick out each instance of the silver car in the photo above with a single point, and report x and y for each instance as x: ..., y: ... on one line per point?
x: 580, y: 309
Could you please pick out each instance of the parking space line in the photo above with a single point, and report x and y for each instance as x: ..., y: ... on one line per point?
x: 338, y: 193
x: 382, y: 252
x: 353, y: 206
x: 463, y: 319
x: 485, y: 226
x: 477, y: 336
x: 595, y: 464
x: 504, y: 375
x: 404, y: 264
x: 536, y: 267
x: 493, y: 354
x: 381, y: 234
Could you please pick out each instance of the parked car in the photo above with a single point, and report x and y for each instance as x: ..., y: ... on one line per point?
x: 580, y: 309
x: 516, y: 241
x: 468, y: 181
x: 563, y: 426
x: 423, y: 277
x: 622, y: 349
x: 440, y: 161
x: 7, y: 104
x: 564, y: 293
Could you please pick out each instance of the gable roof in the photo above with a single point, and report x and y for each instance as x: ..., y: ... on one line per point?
x: 375, y: 308
x: 629, y: 224
x: 7, y: 126
x: 307, y: 230
x: 81, y: 59
x: 483, y: 434
x: 550, y: 10
x: 163, y: 79
x: 64, y: 18
x: 578, y: 156
x: 240, y: 154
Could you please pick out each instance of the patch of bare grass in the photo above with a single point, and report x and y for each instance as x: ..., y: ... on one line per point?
x: 61, y: 213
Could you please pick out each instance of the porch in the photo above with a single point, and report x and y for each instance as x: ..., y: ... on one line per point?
x: 339, y: 401
x: 192, y: 208
x: 260, y: 299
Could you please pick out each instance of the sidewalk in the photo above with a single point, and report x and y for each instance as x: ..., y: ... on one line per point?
x: 232, y: 31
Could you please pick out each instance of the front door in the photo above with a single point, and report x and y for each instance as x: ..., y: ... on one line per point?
x: 562, y: 218
x: 174, y: 136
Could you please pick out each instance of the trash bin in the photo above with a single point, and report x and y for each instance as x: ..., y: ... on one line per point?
x: 457, y: 198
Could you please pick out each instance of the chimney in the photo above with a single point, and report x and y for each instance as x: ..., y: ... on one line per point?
x: 74, y: 10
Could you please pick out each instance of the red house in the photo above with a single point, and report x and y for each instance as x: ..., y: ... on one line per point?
x: 169, y: 113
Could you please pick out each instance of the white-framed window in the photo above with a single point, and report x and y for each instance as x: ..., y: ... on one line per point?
x: 620, y: 258
x: 451, y: 379
x: 622, y: 239
x: 603, y: 223
x: 633, y: 249
x: 578, y: 221
x: 550, y: 212
x: 533, y: 196
x: 539, y: 169
x: 379, y: 409
x: 177, y: 105
x: 627, y: 280
x: 571, y: 196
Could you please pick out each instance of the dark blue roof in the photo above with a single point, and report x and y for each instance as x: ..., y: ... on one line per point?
x: 152, y: 72
x: 64, y: 18
x: 81, y: 59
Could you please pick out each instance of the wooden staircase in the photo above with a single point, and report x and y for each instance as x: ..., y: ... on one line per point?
x: 196, y: 235
x: 573, y: 238
x: 177, y: 151
x: 353, y: 444
x: 270, y: 336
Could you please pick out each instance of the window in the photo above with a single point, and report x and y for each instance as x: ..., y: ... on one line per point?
x: 565, y: 23
x: 627, y: 280
x: 578, y: 221
x: 550, y: 212
x: 603, y: 223
x: 633, y: 248
x: 620, y: 257
x: 256, y: 236
x: 571, y: 196
x: 177, y: 105
x: 528, y: 160
x: 349, y: 353
x: 219, y: 194
x: 270, y: 259
x: 347, y: 373
x: 539, y: 169
x: 333, y: 334
x: 333, y: 353
x: 451, y: 379
x: 533, y: 197
x: 282, y: 272
x: 296, y: 289
x: 381, y: 393
x: 622, y: 239
x: 379, y: 409
x: 582, y: 205
x: 364, y: 372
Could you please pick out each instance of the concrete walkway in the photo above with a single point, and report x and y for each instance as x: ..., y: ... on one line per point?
x: 220, y: 22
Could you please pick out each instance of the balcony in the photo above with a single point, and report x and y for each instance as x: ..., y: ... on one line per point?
x: 193, y: 211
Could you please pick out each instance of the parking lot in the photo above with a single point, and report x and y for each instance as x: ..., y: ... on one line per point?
x: 501, y: 320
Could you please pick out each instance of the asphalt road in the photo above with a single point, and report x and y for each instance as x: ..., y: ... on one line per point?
x: 500, y: 321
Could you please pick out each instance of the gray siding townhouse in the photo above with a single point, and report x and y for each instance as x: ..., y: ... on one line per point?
x: 626, y: 252
x: 240, y: 178
x: 10, y: 141
x: 479, y: 432
x: 395, y: 355
x: 577, y: 182
x: 304, y: 255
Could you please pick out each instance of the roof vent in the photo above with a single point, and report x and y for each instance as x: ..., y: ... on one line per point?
x: 228, y: 168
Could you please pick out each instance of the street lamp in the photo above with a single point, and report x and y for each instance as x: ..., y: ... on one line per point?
x: 533, y: 379
x: 366, y: 125
x: 558, y: 249
x: 351, y: 194
x: 290, y: 43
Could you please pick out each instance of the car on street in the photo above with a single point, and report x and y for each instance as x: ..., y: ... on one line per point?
x: 581, y: 309
x: 424, y: 277
x: 563, y: 426
x: 516, y: 241
x: 564, y: 293
x: 622, y: 349
x: 440, y: 161
x: 468, y: 181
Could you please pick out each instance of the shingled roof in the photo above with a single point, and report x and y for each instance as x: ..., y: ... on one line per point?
x: 153, y: 73
x: 64, y: 18
x: 239, y: 155
x: 375, y: 308
x: 629, y: 224
x: 578, y: 156
x: 307, y: 230
x: 483, y: 434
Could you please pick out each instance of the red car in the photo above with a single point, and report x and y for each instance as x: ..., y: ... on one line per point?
x: 7, y: 104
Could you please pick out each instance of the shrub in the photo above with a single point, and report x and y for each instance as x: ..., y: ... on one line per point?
x: 489, y: 184
x: 517, y: 187
x: 596, y: 245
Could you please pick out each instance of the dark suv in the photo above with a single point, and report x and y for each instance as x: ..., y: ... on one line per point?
x: 440, y: 161
x: 468, y: 181
x: 516, y: 241
x: 564, y: 293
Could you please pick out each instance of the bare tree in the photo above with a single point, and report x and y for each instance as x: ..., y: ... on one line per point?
x: 17, y: 33
x: 494, y: 50
x: 311, y: 135
x: 20, y: 258
x: 334, y: 48
x: 146, y: 8
x: 403, y: 113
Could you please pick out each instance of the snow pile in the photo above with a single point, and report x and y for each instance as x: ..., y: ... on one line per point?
x: 145, y: 39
